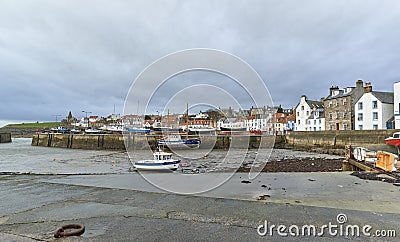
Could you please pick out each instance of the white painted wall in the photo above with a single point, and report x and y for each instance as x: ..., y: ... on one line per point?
x: 384, y: 111
x: 301, y: 114
x: 396, y: 104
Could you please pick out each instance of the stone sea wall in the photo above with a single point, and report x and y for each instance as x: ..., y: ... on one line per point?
x: 118, y: 141
x: 330, y: 140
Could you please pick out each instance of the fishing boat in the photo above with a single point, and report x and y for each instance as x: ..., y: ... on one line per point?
x: 161, y: 161
x: 175, y: 141
x: 139, y: 130
x: 394, y: 139
x: 200, y: 129
x: 60, y: 130
x: 93, y: 131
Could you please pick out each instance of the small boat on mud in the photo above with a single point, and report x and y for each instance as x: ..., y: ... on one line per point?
x: 394, y: 140
x: 162, y: 161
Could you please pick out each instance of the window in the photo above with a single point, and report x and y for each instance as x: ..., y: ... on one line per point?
x: 337, y: 102
x: 299, y: 121
x: 344, y: 126
x: 345, y: 114
x: 320, y: 129
x: 375, y: 127
x: 330, y: 115
x: 375, y: 116
x: 330, y: 127
x: 330, y: 103
x: 315, y: 122
x: 308, y: 113
x: 337, y: 115
x: 298, y: 114
x: 315, y: 129
x: 360, y: 127
x: 360, y: 106
x: 309, y: 122
x: 374, y: 104
x: 360, y: 117
x: 302, y: 108
x: 320, y: 121
x: 344, y: 101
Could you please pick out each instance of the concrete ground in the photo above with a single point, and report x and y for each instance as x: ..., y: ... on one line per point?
x: 127, y: 208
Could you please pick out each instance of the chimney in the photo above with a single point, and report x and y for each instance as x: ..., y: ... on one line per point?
x: 332, y: 89
x: 322, y: 99
x: 304, y: 97
x: 359, y: 84
x: 368, y: 87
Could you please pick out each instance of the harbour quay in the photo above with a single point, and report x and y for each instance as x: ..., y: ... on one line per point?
x: 119, y: 141
x: 332, y: 142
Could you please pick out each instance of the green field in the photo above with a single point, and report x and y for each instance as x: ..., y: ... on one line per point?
x: 33, y: 125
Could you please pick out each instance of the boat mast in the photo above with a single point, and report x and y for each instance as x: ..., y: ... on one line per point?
x: 168, y: 123
x: 187, y: 121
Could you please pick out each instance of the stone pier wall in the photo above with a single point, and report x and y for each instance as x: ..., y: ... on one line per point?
x: 118, y: 142
x: 371, y: 139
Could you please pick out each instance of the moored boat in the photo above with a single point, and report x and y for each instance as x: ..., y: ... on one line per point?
x: 394, y: 140
x: 161, y: 161
x: 175, y: 141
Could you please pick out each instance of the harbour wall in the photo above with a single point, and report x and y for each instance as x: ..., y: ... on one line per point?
x: 337, y: 140
x: 332, y: 142
x: 118, y: 141
x: 5, y: 137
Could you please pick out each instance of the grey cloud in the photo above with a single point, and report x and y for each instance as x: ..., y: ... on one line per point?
x: 57, y: 56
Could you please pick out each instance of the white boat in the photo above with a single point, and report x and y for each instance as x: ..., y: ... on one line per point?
x: 161, y: 161
x: 200, y: 129
x: 93, y: 131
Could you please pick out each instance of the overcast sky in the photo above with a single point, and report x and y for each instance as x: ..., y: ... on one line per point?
x: 57, y: 56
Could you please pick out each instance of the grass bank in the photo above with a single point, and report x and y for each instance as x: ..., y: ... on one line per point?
x: 33, y: 125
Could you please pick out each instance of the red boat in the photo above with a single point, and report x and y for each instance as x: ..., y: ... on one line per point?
x: 394, y: 140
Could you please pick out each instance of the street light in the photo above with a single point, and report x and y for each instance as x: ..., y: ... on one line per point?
x: 56, y: 115
x: 86, y: 112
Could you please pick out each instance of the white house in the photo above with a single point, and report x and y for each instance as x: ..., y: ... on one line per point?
x: 396, y: 105
x: 373, y: 110
x: 316, y: 121
x: 256, y: 124
x: 308, y: 112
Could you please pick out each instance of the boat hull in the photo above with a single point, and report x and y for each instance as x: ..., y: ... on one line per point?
x: 393, y: 141
x: 150, y: 165
x: 179, y: 143
x: 233, y: 129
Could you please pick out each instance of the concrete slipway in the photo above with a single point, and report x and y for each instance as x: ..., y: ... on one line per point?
x: 127, y: 208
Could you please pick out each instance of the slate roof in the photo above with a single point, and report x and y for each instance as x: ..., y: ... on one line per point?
x: 384, y: 97
x: 341, y: 94
x: 315, y: 104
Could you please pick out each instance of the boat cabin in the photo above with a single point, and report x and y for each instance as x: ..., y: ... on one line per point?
x: 162, y: 156
x: 396, y: 135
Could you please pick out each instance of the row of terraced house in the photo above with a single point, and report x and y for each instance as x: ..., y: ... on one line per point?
x: 350, y: 108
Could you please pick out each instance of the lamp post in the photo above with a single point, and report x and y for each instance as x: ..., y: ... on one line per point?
x: 56, y: 115
x: 86, y: 112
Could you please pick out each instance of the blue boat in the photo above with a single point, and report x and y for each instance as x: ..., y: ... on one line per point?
x: 175, y: 141
x: 139, y: 130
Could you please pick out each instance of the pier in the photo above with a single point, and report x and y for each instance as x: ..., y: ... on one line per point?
x: 119, y: 141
